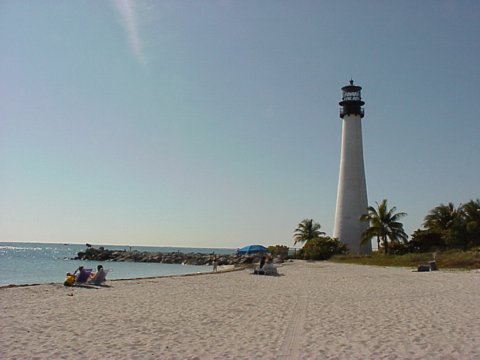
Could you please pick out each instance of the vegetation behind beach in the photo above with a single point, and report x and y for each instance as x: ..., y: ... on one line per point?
x: 451, y: 259
x: 450, y: 236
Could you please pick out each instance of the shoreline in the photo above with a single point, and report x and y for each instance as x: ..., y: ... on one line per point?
x: 31, y: 264
x: 136, y: 278
x: 313, y: 310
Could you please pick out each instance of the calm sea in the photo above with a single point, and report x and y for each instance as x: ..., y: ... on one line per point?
x: 37, y: 263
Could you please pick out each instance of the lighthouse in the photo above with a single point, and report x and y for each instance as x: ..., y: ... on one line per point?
x: 352, y: 188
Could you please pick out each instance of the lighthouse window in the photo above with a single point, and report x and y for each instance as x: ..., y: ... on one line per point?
x: 351, y: 95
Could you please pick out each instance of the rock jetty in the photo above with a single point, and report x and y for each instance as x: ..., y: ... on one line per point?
x: 102, y: 254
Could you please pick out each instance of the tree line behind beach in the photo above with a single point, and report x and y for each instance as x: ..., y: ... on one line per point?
x: 450, y: 234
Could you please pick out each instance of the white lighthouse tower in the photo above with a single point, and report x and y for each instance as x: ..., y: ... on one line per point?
x: 352, y: 188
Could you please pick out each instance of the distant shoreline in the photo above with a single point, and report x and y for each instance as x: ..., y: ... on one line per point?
x: 41, y: 263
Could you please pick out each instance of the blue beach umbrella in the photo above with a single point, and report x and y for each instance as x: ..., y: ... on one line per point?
x: 250, y: 249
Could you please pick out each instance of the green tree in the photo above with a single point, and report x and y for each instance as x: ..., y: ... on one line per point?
x: 307, y: 230
x: 383, y: 224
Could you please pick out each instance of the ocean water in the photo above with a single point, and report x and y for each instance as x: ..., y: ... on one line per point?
x: 37, y: 263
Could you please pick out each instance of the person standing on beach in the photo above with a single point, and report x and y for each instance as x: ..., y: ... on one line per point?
x: 214, y: 263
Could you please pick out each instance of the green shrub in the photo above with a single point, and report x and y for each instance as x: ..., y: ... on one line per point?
x: 322, y: 248
x: 452, y: 259
x: 279, y: 250
x: 397, y: 248
x: 425, y: 241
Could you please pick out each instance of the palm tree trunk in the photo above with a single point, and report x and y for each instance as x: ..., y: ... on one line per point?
x: 385, y: 244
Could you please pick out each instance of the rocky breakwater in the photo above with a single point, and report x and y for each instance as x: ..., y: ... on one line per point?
x: 102, y: 254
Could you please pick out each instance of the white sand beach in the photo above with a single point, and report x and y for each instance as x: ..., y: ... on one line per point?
x: 316, y: 310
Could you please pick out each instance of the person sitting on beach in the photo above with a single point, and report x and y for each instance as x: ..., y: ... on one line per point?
x: 81, y: 275
x: 259, y: 270
x: 269, y: 268
x: 99, y: 277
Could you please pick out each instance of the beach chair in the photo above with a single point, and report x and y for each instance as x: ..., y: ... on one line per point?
x: 100, y: 277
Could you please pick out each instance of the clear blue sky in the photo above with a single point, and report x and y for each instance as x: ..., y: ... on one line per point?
x: 215, y: 123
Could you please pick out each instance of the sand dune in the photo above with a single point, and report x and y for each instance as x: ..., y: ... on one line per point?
x: 313, y: 311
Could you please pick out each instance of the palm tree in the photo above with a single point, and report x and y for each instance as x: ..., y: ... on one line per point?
x: 384, y: 225
x: 442, y: 218
x: 448, y: 221
x: 471, y: 215
x: 307, y: 230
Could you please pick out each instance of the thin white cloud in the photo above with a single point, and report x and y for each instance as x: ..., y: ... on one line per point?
x: 126, y: 9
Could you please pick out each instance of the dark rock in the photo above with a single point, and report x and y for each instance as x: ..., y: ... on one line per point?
x: 102, y: 254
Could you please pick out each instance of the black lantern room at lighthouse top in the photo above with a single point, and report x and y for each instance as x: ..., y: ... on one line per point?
x: 351, y: 101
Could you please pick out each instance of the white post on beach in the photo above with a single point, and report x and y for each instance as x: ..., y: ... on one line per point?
x: 352, y: 189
